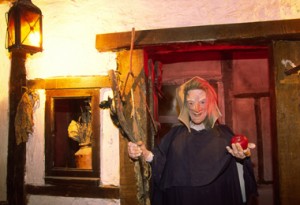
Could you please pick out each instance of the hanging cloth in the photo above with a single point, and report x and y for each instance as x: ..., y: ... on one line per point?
x: 24, y: 116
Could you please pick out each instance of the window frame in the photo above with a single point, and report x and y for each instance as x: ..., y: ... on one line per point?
x: 60, y: 175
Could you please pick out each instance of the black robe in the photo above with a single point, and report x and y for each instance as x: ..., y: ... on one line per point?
x: 194, y: 168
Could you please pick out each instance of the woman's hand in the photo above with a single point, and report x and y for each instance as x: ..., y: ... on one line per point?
x: 237, y: 151
x: 134, y: 151
x: 139, y: 149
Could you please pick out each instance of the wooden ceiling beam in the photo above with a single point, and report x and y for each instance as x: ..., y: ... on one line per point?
x: 258, y: 32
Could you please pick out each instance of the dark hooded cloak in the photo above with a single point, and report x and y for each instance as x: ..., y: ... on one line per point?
x: 193, y: 167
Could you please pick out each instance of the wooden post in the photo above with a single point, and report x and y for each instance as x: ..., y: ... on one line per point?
x: 128, y: 182
x: 16, y: 153
x: 287, y: 93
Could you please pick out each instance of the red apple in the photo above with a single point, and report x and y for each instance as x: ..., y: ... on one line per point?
x: 243, y: 140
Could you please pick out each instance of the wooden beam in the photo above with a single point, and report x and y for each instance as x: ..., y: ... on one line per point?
x: 70, y: 82
x: 287, y: 143
x: 16, y: 158
x: 106, y: 192
x: 211, y: 34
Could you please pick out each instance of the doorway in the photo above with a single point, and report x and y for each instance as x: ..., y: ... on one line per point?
x: 240, y: 75
x: 279, y: 38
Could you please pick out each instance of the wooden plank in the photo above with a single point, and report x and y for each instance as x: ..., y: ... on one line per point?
x: 70, y: 82
x: 242, y: 32
x: 105, y: 192
x: 287, y: 123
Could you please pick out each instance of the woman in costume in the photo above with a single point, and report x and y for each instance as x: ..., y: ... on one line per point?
x: 195, y: 163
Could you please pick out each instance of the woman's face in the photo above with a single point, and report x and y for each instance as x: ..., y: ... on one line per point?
x: 197, y: 105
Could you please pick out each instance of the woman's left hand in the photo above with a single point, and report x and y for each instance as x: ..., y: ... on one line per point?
x: 237, y: 151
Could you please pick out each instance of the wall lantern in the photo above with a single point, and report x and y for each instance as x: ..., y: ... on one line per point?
x: 24, y: 27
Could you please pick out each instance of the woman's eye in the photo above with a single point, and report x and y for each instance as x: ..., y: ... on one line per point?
x: 203, y: 102
x: 190, y: 104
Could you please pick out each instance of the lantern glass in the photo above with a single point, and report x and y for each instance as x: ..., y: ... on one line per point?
x: 24, y: 27
x: 11, y: 37
x: 30, y: 29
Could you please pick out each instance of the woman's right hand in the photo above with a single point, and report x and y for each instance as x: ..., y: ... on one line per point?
x: 134, y: 150
x: 139, y: 149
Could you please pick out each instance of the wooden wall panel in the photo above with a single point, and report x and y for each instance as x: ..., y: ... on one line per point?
x: 287, y: 90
